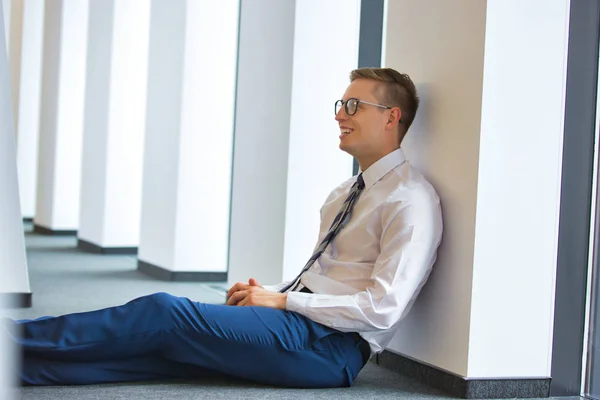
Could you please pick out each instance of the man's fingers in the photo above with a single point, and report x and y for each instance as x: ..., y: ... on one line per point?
x: 236, y: 288
x: 254, y: 282
x: 236, y: 297
x: 232, y: 289
x: 244, y: 301
x: 241, y: 286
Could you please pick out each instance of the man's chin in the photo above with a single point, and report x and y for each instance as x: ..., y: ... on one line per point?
x: 346, y: 148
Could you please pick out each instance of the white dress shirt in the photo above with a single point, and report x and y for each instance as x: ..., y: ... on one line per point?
x: 367, y: 279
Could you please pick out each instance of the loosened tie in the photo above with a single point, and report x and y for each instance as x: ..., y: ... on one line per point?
x: 337, y: 224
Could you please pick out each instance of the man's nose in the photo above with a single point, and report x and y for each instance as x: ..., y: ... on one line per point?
x: 341, y: 114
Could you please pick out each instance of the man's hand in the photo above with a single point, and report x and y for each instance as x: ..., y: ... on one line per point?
x: 252, y: 294
x: 257, y: 296
x: 242, y: 286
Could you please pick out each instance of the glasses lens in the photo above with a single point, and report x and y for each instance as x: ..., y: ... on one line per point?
x: 338, y: 105
x: 351, y: 106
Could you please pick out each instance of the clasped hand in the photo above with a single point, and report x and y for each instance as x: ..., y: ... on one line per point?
x: 253, y: 294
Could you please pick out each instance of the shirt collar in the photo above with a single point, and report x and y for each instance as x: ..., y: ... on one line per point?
x: 382, y: 166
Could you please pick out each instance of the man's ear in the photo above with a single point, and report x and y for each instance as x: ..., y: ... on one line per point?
x: 394, y: 117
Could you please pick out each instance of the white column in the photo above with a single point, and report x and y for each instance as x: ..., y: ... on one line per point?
x: 6, y: 5
x: 61, y: 119
x: 489, y: 137
x: 115, y: 103
x: 13, y: 264
x: 28, y: 122
x: 189, y: 135
x: 13, y: 15
x: 286, y: 156
x: 316, y: 165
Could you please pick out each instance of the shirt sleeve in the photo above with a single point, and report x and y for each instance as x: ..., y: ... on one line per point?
x: 410, y: 237
x: 276, y: 288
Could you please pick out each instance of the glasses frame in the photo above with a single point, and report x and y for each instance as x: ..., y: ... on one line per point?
x: 358, y: 101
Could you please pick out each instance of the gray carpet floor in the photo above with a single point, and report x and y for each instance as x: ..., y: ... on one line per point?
x: 65, y: 280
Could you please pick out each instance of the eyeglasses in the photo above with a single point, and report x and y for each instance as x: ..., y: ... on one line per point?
x: 351, y: 105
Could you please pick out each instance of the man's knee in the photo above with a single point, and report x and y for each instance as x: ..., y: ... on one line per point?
x: 162, y: 302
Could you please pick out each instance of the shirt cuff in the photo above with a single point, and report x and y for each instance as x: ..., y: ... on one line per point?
x: 297, y: 302
x: 274, y: 288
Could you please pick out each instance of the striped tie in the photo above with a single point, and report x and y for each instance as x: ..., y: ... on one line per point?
x: 339, y: 221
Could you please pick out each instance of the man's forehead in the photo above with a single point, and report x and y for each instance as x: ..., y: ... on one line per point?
x: 361, y: 88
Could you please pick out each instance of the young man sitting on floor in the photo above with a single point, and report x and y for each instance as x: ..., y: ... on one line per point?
x: 378, y: 239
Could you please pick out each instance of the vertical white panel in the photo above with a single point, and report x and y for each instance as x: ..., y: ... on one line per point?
x: 163, y: 124
x: 129, y: 80
x: 70, y: 113
x: 93, y: 194
x: 28, y: 122
x: 261, y: 140
x: 495, y: 159
x: 62, y: 107
x: 316, y: 165
x: 443, y: 143
x: 189, y: 134
x: 518, y: 195
x: 49, y: 106
x: 207, y: 117
x: 14, y: 39
x: 13, y: 263
x: 114, y: 123
x: 6, y: 11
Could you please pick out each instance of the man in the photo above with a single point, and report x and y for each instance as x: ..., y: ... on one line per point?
x: 378, y: 240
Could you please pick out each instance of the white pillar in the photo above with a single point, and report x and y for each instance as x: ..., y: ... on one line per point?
x: 61, y: 119
x: 28, y: 121
x: 6, y: 5
x: 14, y: 285
x: 316, y: 165
x: 489, y: 137
x: 262, y: 124
x: 189, y: 135
x: 13, y: 16
x: 286, y: 156
x: 115, y: 103
x: 13, y: 263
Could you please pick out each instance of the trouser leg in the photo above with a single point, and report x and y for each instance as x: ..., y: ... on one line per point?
x: 257, y: 343
x: 40, y: 371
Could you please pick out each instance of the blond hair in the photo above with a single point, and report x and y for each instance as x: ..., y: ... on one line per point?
x: 395, y: 90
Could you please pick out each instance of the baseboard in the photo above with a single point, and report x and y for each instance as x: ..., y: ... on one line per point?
x: 53, y: 232
x: 15, y: 300
x: 180, y: 276
x: 464, y: 388
x: 94, y: 248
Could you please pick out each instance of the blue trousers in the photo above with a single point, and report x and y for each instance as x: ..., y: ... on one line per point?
x: 161, y: 336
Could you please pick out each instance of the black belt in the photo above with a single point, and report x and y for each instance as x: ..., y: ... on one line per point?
x: 363, y: 345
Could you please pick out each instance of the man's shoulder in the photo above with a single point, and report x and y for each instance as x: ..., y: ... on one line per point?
x: 409, y: 185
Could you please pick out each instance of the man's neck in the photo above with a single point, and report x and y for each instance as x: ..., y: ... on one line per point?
x: 367, y: 161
